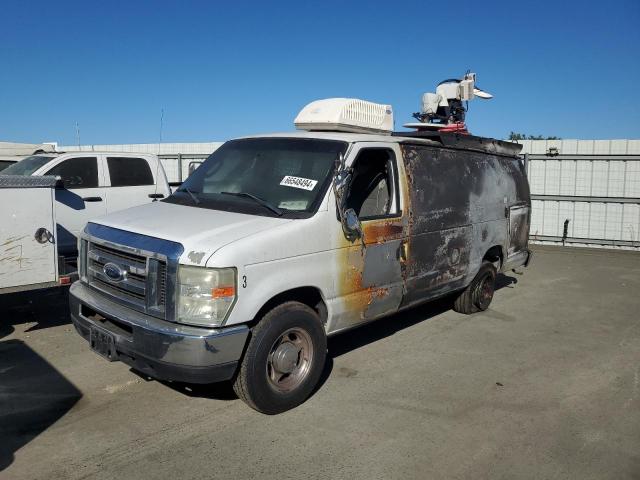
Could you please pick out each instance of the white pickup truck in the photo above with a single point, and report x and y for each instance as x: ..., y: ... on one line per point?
x: 95, y: 183
x: 41, y: 217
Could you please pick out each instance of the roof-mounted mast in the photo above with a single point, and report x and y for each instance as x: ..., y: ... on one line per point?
x: 445, y: 110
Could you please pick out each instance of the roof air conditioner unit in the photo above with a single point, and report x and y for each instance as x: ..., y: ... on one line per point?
x: 346, y: 115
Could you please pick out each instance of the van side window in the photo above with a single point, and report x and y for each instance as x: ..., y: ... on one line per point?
x: 78, y: 172
x: 129, y: 172
x: 373, y: 186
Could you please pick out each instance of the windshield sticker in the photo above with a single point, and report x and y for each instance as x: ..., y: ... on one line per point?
x: 294, y: 204
x: 298, y: 182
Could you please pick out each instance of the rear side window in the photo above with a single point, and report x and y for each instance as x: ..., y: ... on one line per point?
x: 78, y: 172
x: 129, y: 171
x: 5, y: 163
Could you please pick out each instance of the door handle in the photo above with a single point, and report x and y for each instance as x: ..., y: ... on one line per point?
x: 92, y: 199
x: 402, y: 251
x: 156, y: 195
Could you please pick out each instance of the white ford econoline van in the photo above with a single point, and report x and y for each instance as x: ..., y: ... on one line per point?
x: 277, y: 241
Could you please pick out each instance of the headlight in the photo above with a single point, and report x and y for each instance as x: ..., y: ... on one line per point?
x: 205, y: 295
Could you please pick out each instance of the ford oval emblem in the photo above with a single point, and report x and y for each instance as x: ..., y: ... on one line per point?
x: 114, y: 272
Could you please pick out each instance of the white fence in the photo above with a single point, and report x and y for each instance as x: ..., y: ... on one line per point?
x: 592, y: 186
x: 178, y: 167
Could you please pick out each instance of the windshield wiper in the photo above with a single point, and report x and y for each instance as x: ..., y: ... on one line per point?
x: 259, y: 200
x: 191, y: 194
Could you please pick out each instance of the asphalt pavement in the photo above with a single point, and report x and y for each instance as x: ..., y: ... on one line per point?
x: 544, y: 385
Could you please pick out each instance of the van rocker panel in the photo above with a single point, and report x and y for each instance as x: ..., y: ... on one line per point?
x: 161, y: 349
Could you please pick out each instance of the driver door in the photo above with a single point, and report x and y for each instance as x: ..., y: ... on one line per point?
x: 375, y: 262
x: 81, y: 200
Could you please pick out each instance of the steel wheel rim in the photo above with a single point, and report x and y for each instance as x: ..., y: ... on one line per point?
x: 289, y: 361
x: 485, y: 291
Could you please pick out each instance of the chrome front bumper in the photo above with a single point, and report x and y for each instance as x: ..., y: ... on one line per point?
x: 161, y: 349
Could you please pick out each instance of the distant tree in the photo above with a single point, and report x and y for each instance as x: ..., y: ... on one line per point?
x: 514, y: 137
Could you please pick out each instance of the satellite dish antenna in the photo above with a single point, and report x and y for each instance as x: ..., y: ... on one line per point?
x: 481, y: 94
x: 445, y: 110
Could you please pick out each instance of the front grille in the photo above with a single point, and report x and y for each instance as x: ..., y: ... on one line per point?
x: 114, y: 253
x: 162, y: 284
x: 142, y: 283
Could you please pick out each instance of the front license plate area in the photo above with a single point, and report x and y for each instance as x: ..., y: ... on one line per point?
x: 103, y: 343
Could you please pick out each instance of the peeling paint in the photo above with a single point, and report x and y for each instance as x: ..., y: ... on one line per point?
x: 196, y: 257
x: 453, y: 205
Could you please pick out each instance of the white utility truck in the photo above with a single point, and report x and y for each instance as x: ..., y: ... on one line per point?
x: 277, y: 241
x: 95, y: 183
x: 28, y: 256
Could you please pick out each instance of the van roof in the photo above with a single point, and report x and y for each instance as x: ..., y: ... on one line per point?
x: 433, y: 138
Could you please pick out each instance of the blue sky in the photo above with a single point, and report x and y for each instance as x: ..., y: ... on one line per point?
x: 224, y: 69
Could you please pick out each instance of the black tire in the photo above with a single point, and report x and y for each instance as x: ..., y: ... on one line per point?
x: 272, y: 346
x: 478, y: 295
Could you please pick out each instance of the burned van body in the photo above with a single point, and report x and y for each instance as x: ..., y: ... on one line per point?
x: 277, y: 241
x: 467, y: 205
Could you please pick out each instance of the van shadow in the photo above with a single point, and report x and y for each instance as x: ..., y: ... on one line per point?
x: 45, y: 308
x: 366, y: 334
x: 33, y: 396
x: 505, y: 281
x: 348, y: 341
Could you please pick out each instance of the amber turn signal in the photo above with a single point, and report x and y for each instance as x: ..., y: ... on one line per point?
x: 223, y: 292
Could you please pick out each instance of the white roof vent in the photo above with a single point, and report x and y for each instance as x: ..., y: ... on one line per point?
x: 346, y: 115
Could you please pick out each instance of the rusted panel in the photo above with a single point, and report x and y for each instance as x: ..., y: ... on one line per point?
x: 382, y: 277
x: 455, y: 207
x: 452, y: 193
x: 382, y: 232
x: 371, y: 275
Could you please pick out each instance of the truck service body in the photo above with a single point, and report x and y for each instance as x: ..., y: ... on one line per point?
x: 395, y: 221
x: 94, y: 184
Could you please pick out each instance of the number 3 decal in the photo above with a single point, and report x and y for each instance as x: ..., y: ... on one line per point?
x: 244, y: 281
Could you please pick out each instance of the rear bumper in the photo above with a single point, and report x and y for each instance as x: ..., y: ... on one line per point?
x: 519, y: 259
x: 160, y: 349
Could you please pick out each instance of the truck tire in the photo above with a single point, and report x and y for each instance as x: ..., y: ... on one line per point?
x: 284, y: 359
x: 478, y: 295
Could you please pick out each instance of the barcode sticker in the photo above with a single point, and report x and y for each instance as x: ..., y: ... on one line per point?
x: 298, y: 182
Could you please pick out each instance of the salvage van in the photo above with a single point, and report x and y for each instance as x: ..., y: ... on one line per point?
x: 279, y: 240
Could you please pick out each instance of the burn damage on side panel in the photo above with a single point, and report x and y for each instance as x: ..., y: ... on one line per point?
x: 456, y: 206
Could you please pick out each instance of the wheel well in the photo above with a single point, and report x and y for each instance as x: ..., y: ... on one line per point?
x: 493, y: 255
x: 310, y: 296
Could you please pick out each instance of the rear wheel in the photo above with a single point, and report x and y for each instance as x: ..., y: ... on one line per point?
x: 284, y: 359
x: 478, y: 295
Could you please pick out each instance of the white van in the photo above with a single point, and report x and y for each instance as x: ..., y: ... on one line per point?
x: 95, y: 183
x: 277, y: 241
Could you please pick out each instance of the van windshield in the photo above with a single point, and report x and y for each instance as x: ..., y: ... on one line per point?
x: 27, y: 165
x: 263, y: 176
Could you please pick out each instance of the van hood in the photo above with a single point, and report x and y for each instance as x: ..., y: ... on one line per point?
x: 200, y: 231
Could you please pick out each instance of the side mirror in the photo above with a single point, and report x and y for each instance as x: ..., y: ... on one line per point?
x: 351, y: 225
x: 341, y: 182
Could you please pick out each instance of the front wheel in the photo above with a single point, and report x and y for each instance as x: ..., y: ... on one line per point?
x: 478, y: 295
x: 284, y: 359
